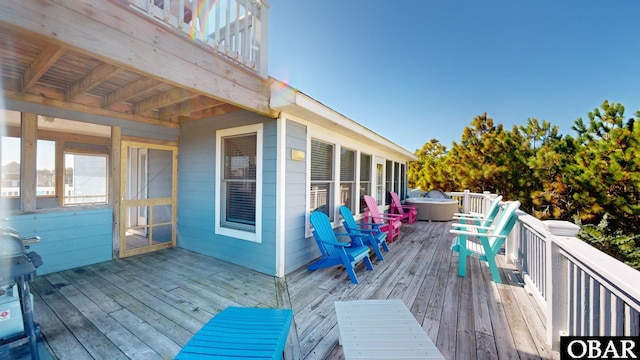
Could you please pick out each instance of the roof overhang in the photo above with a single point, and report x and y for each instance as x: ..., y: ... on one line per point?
x: 286, y: 99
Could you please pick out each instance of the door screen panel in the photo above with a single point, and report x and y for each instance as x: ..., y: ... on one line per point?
x: 148, y: 206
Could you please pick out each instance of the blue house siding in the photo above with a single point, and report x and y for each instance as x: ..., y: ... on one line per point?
x: 298, y: 250
x: 70, y: 238
x: 196, y: 193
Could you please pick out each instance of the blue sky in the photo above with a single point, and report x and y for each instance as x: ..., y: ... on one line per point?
x: 412, y: 70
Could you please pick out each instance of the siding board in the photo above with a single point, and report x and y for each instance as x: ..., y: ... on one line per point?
x: 70, y: 238
x: 196, y: 193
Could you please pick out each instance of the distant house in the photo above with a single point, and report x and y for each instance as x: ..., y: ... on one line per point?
x: 170, y: 133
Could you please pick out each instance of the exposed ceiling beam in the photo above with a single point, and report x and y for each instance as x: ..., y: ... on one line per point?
x: 214, y: 111
x: 36, y: 99
x: 165, y: 99
x: 187, y: 107
x: 130, y: 91
x: 47, y: 57
x: 99, y: 74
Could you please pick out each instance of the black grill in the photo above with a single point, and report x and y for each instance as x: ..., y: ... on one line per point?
x: 18, y: 267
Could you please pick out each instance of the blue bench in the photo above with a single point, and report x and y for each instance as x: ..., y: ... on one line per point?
x: 240, y: 333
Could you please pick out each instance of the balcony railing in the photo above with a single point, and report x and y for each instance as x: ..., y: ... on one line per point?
x: 235, y: 28
x: 582, y: 291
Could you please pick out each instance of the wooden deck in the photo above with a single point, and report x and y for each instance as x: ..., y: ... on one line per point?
x: 148, y: 306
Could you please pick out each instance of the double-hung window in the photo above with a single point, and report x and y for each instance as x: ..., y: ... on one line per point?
x: 239, y: 190
x: 365, y: 178
x: 347, y: 178
x: 388, y: 181
x: 321, y: 178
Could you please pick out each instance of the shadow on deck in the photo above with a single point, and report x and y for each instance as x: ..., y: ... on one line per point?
x: 149, y: 306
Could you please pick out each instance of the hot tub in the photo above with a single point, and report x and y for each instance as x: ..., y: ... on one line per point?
x: 434, y: 209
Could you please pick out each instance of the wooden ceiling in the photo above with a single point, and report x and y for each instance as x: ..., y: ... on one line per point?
x: 35, y: 69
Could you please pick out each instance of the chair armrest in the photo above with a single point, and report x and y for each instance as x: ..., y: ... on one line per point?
x: 358, y: 241
x: 335, y: 243
x: 468, y: 215
x: 395, y: 218
x: 470, y: 226
x: 455, y: 231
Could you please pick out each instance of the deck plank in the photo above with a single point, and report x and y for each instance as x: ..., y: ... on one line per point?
x: 160, y: 299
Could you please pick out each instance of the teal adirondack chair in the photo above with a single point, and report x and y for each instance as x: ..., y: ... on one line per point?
x: 482, y: 220
x: 373, y: 236
x: 490, y: 240
x: 335, y: 252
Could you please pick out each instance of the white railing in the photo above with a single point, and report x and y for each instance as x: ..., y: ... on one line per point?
x: 472, y: 203
x: 583, y: 291
x: 235, y: 28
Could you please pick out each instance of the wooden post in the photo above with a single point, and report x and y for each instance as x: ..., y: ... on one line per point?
x: 466, y: 199
x: 28, y: 152
x: 116, y: 188
x: 556, y: 274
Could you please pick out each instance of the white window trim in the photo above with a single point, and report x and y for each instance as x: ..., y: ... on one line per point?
x: 235, y: 233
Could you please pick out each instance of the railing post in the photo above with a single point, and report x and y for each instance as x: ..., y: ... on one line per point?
x: 557, y: 294
x: 511, y: 244
x: 466, y: 202
x: 262, y: 35
x: 557, y: 273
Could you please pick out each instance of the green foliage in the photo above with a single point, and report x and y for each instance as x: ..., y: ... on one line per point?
x: 554, y: 176
x: 623, y: 247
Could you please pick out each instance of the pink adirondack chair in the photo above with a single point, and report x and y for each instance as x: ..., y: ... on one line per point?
x: 389, y: 223
x: 409, y: 213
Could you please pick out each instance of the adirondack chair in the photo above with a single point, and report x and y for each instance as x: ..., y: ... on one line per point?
x: 482, y: 220
x: 409, y: 213
x: 335, y: 252
x: 490, y: 240
x: 373, y: 236
x: 389, y: 223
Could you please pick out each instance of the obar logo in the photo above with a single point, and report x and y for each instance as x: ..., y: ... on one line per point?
x: 599, y: 347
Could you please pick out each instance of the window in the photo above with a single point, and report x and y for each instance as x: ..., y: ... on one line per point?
x: 10, y: 122
x: 379, y: 183
x: 398, y: 178
x: 85, y: 178
x: 365, y: 178
x: 321, y: 178
x: 46, y: 168
x: 347, y: 178
x: 10, y: 185
x: 239, y: 191
x: 401, y: 182
x: 388, y: 181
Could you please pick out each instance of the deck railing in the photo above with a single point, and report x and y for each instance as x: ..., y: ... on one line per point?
x: 582, y: 291
x: 235, y: 28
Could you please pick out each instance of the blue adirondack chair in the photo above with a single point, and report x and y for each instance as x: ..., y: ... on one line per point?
x: 373, y: 236
x: 482, y: 220
x: 490, y: 241
x: 335, y: 252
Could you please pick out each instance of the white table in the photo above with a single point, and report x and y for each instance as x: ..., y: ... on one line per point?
x: 382, y: 329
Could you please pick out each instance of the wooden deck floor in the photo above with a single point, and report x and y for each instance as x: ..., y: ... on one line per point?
x: 148, y: 306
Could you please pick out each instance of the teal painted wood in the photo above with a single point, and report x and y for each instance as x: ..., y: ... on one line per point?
x: 69, y: 238
x: 196, y: 193
x: 335, y: 252
x: 489, y: 240
x: 241, y: 333
x: 373, y: 236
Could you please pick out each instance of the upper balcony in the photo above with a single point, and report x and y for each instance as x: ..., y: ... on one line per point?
x: 235, y: 28
x: 159, y: 62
